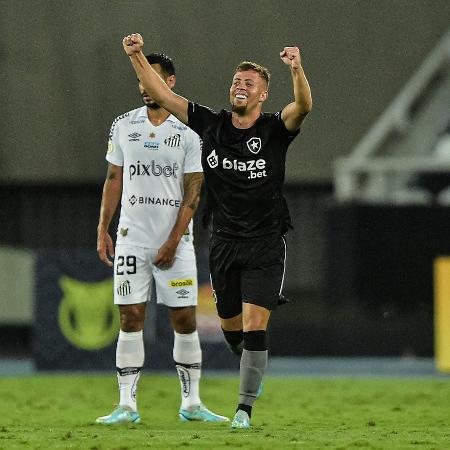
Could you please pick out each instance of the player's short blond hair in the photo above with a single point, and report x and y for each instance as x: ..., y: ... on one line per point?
x: 249, y: 65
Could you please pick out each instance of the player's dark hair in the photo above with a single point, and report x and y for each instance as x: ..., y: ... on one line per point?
x: 249, y: 65
x: 164, y: 61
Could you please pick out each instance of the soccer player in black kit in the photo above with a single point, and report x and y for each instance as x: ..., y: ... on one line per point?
x: 243, y: 158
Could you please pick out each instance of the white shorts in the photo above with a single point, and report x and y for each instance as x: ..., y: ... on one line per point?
x: 134, y: 273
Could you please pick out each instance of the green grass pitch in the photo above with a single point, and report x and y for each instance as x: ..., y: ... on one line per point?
x: 58, y: 412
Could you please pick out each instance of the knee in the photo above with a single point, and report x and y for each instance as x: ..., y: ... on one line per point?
x: 253, y: 323
x: 131, y: 319
x: 183, y: 320
x: 255, y: 317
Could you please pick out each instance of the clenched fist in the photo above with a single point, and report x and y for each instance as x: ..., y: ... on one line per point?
x: 291, y: 57
x: 133, y: 43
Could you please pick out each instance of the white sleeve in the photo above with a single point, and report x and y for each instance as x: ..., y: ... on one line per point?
x: 193, y: 158
x: 114, y: 154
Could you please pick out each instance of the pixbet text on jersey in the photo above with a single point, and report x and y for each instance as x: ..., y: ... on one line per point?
x: 153, y: 169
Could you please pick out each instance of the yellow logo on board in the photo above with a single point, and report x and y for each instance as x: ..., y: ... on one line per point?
x: 87, y: 316
x: 181, y: 283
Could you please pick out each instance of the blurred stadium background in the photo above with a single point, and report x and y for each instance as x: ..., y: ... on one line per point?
x: 368, y: 181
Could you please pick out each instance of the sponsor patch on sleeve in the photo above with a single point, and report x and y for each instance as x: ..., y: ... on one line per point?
x: 110, y: 147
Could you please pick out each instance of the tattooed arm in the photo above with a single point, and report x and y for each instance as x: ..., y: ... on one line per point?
x: 192, y: 186
x: 112, y: 190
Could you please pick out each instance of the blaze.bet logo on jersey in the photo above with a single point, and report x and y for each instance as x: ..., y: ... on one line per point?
x: 256, y: 168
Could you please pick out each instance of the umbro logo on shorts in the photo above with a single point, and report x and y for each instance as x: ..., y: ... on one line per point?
x: 182, y: 293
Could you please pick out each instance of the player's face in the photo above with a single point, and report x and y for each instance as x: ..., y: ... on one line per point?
x: 149, y: 102
x: 248, y: 90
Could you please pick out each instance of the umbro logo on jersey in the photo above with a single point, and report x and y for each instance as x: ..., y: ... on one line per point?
x: 124, y: 288
x: 213, y: 159
x: 254, y: 144
x: 134, y: 137
x: 173, y: 141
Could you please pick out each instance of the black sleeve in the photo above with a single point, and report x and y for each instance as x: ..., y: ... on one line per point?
x: 199, y: 117
x: 288, y: 135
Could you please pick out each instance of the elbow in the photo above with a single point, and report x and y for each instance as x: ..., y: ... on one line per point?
x: 307, y: 107
x: 304, y: 109
x: 193, y: 204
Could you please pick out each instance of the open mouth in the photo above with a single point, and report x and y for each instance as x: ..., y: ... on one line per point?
x: 241, y: 96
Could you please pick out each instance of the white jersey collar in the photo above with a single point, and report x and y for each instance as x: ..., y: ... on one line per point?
x: 143, y: 113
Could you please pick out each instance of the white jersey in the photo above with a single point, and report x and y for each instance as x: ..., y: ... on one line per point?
x: 154, y: 161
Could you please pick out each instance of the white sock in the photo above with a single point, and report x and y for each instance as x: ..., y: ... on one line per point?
x: 187, y: 355
x: 129, y: 362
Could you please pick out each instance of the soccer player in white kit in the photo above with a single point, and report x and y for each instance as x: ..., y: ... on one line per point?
x: 154, y: 168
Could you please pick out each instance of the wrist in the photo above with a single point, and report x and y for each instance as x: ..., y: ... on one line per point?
x: 174, y: 239
x: 136, y: 54
x: 101, y: 229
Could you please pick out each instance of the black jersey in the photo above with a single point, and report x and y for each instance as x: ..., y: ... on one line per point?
x: 244, y: 172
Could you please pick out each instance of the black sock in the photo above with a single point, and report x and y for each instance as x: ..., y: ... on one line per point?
x: 246, y: 408
x: 255, y: 340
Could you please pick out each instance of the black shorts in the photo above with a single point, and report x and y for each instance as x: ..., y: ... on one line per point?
x: 249, y: 271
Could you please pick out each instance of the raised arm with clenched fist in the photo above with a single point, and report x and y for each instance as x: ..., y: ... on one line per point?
x: 133, y: 43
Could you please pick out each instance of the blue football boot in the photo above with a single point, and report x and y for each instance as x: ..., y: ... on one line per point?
x: 200, y: 413
x: 260, y: 391
x: 240, y: 420
x: 120, y: 415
